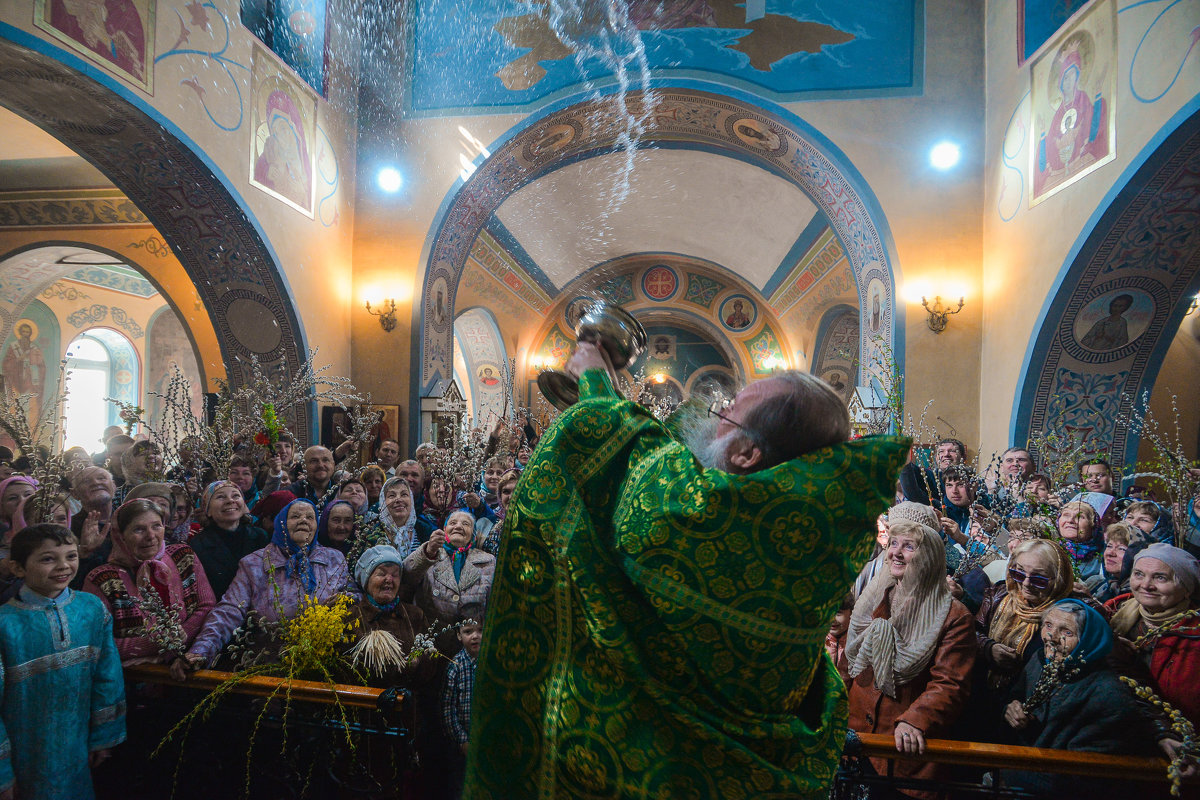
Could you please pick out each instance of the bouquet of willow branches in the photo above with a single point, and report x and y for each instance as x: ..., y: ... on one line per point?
x: 1180, y: 725
x: 163, y: 622
x: 240, y: 414
x: 1168, y: 464
x: 640, y: 390
x: 34, y: 438
x: 460, y: 462
x: 1058, y: 449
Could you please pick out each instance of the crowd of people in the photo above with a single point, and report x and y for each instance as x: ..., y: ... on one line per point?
x: 998, y: 607
x: 1002, y: 608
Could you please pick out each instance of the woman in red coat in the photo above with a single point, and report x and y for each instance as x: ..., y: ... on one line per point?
x: 1165, y: 587
x: 910, y: 649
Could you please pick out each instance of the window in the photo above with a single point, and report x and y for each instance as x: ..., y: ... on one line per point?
x: 89, y: 374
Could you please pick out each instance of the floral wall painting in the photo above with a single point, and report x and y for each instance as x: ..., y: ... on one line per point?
x: 118, y: 35
x: 1114, y: 320
x: 1073, y: 90
x: 283, y: 123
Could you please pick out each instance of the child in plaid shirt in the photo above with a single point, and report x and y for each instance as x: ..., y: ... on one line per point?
x: 460, y: 682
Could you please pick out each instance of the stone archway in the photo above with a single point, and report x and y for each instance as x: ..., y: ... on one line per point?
x: 228, y: 260
x: 1142, y: 244
x: 683, y: 118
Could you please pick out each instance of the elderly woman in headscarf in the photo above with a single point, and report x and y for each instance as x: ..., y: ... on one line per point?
x: 161, y: 495
x: 1152, y: 519
x: 1158, y: 632
x: 398, y: 516
x: 336, y: 526
x: 910, y: 649
x: 143, y: 563
x: 380, y: 608
x: 1078, y: 527
x: 227, y: 536
x: 275, y: 582
x: 905, y: 510
x: 1085, y: 708
x: 449, y: 572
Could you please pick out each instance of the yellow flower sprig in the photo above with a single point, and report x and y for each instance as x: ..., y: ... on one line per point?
x: 312, y: 639
x: 1180, y: 725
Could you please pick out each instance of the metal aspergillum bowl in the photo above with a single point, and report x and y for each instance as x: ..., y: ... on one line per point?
x: 614, y: 329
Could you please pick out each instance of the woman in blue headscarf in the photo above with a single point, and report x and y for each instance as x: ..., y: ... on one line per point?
x: 275, y: 582
x: 1084, y: 708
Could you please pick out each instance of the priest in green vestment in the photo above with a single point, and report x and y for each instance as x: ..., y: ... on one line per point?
x: 656, y: 627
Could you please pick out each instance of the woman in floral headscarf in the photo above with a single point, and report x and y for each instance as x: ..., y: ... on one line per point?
x: 141, y: 563
x: 275, y: 582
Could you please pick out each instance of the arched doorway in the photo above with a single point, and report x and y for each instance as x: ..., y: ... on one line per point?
x: 194, y: 208
x: 684, y: 120
x: 1120, y: 299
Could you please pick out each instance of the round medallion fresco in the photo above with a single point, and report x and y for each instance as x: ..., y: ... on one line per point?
x: 660, y: 283
x: 738, y: 312
x: 1114, y: 319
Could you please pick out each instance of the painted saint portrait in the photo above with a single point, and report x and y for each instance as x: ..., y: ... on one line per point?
x: 1114, y: 320
x: 284, y: 126
x: 1073, y: 94
x: 755, y: 134
x: 116, y: 34
x: 439, y: 305
x: 25, y: 366
x: 876, y: 313
x: 488, y: 377
x: 738, y: 313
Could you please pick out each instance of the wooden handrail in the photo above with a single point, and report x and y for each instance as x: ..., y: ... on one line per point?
x: 1035, y: 759
x: 265, y: 685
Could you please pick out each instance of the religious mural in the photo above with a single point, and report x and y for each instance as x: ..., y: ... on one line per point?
x: 1073, y: 91
x: 295, y: 31
x: 283, y: 125
x: 738, y: 312
x: 31, y: 355
x: 835, y: 357
x: 116, y: 34
x: 512, y: 54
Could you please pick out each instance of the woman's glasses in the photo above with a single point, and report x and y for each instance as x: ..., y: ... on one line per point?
x: 1036, y: 581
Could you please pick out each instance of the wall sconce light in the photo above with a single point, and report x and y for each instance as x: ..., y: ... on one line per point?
x: 386, y: 314
x: 939, y: 315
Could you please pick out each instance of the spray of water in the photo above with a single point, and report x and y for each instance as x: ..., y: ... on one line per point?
x: 602, y: 31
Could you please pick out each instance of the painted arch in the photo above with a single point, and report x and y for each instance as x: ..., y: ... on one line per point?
x: 1120, y: 298
x: 193, y: 206
x: 684, y: 118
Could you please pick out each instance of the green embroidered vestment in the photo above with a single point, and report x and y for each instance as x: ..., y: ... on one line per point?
x: 656, y: 629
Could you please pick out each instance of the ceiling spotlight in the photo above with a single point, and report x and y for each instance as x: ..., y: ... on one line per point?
x: 944, y: 155
x: 390, y: 180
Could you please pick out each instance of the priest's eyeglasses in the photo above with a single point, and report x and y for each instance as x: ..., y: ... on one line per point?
x: 1039, y: 582
x: 717, y: 409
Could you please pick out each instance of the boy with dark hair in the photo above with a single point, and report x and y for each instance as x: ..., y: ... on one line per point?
x: 460, y: 683
x: 62, y: 707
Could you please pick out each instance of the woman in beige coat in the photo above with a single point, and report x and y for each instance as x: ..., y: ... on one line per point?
x: 447, y: 573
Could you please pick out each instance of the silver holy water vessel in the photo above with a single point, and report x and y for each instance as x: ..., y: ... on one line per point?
x: 611, y: 327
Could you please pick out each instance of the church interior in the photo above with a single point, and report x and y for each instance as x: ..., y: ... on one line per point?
x: 983, y: 217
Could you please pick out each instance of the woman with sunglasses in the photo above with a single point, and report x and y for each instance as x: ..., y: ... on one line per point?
x: 1008, y: 623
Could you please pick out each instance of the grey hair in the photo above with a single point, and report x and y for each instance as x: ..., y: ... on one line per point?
x: 808, y: 417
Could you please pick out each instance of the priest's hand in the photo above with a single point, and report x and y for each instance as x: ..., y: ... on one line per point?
x: 590, y: 355
x: 909, y: 739
x: 430, y: 548
x: 98, y: 757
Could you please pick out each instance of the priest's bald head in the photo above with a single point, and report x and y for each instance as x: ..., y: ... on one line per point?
x: 769, y: 422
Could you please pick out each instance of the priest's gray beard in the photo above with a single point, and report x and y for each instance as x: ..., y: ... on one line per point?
x: 699, y: 434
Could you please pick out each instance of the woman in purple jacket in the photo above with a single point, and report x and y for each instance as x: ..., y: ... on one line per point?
x: 275, y: 582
